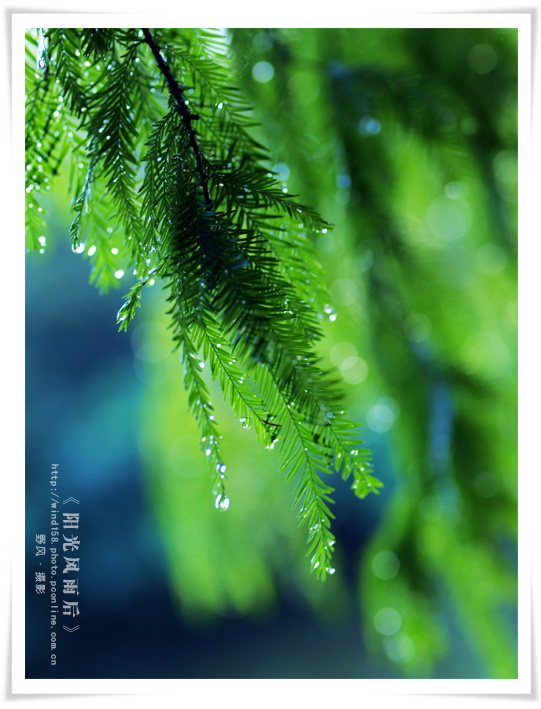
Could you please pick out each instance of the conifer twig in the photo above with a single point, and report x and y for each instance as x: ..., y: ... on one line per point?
x: 186, y: 115
x: 244, y: 291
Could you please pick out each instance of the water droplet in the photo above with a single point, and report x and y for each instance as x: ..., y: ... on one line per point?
x: 42, y: 51
x: 91, y: 251
x: 222, y: 502
x: 331, y: 312
x: 330, y: 570
x: 208, y: 451
x: 78, y: 249
x: 119, y: 273
x: 202, y: 365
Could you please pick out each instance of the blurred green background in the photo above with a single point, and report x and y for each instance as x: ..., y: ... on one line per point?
x: 405, y: 140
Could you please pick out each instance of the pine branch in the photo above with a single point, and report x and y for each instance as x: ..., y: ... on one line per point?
x: 224, y: 366
x: 186, y: 114
x: 198, y: 211
x: 300, y: 461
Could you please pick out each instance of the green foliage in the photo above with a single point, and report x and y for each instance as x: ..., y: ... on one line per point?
x: 168, y: 182
x: 409, y: 147
x: 419, y: 146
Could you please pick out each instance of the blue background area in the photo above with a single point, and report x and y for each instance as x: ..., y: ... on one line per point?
x: 82, y: 404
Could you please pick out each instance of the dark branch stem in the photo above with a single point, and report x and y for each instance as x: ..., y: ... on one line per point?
x: 185, y: 113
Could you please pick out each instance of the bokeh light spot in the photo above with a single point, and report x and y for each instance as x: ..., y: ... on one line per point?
x: 263, y: 72
x: 281, y: 170
x: 342, y: 351
x: 262, y: 42
x: 485, y: 354
x: 343, y: 181
x: 505, y: 166
x: 486, y: 484
x: 369, y: 126
x: 482, y: 58
x: 385, y: 565
x: 448, y: 221
x: 381, y: 417
x: 387, y: 621
x: 456, y: 190
x: 400, y: 649
x: 354, y: 370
